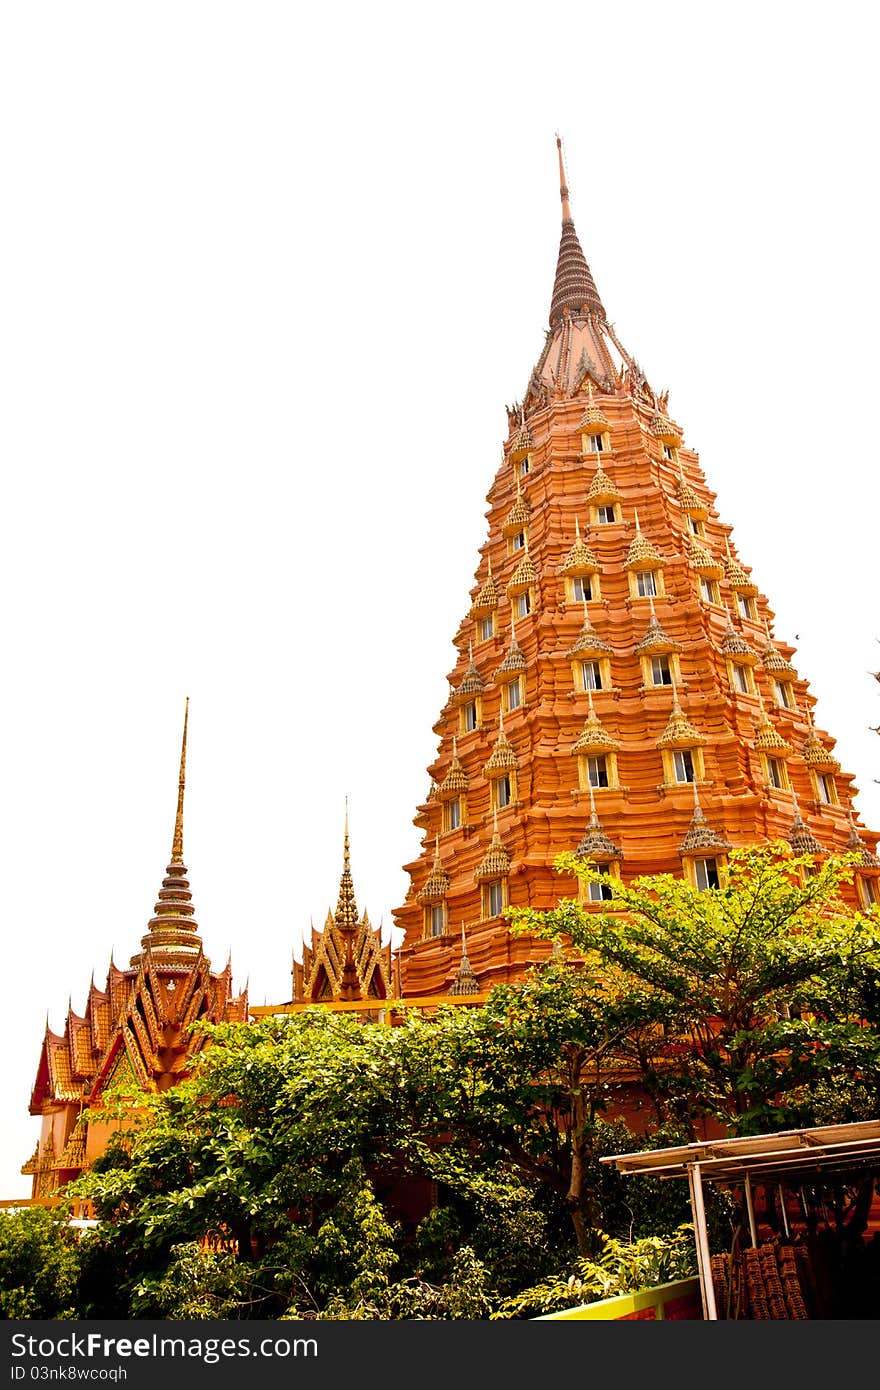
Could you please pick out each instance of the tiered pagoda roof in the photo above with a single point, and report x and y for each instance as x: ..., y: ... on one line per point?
x: 137, y: 1030
x: 598, y: 481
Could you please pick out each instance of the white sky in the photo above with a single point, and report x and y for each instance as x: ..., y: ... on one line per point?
x: 268, y: 276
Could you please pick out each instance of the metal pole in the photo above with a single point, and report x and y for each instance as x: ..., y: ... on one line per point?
x: 784, y: 1212
x: 750, y: 1207
x: 695, y: 1183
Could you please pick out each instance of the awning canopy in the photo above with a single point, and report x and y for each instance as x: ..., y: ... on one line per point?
x: 804, y: 1154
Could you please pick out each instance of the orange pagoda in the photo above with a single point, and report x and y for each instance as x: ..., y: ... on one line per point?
x: 619, y: 690
x: 135, y: 1030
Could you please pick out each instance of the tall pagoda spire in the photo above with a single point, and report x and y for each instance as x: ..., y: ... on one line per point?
x: 172, y: 932
x: 648, y: 676
x: 574, y: 289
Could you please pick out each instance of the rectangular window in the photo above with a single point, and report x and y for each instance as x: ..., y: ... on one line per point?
x: 487, y: 627
x: 514, y: 694
x: 597, y: 771
x: 784, y: 694
x: 775, y: 774
x: 646, y: 584
x: 453, y: 814
x: 706, y: 874
x: 825, y: 789
x: 581, y: 588
x: 523, y: 605
x: 522, y: 468
x: 518, y: 541
x: 745, y: 606
x: 740, y: 678
x: 708, y: 589
x: 493, y: 897
x: 695, y: 525
x: 668, y: 451
x: 502, y: 791
x: 597, y: 443
x: 869, y: 891
x: 683, y: 765
x: 605, y: 515
x: 661, y: 673
x: 438, y: 919
x: 469, y: 715
x: 600, y: 892
x: 591, y: 675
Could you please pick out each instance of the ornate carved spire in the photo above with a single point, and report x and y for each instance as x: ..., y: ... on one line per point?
x: 588, y: 642
x: 574, y: 289
x: 580, y: 558
x: 732, y: 644
x: 172, y: 933
x: 177, y: 843
x: 346, y: 917
x: 495, y: 863
x: 641, y: 552
x: 855, y: 843
x: 594, y: 738
x: 437, y: 884
x: 701, y: 838
x: 595, y: 844
x: 465, y: 981
x: 801, y: 839
x: 656, y: 640
x: 679, y: 731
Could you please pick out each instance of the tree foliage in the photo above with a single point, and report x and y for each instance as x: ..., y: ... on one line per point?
x: 762, y: 988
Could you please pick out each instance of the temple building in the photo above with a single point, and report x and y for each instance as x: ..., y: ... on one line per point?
x: 619, y: 689
x: 346, y: 961
x: 136, y: 1030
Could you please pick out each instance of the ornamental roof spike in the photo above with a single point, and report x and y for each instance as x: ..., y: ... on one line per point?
x: 602, y: 489
x: 437, y: 884
x: 772, y: 658
x: 801, y: 839
x: 594, y: 843
x: 588, y: 640
x: 641, y: 551
x: 855, y: 842
x: 656, y: 639
x: 700, y: 836
x: 594, y: 737
x: 766, y: 735
x: 580, y: 559
x: 679, y: 731
x: 465, y: 981
x: 496, y: 861
x: 734, y: 644
x: 574, y: 290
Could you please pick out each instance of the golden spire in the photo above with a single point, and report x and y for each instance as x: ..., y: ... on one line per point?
x: 563, y: 186
x: 177, y: 845
x: 346, y: 908
x: 465, y: 981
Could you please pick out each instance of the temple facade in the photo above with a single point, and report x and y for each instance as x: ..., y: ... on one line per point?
x: 135, y: 1031
x: 620, y: 690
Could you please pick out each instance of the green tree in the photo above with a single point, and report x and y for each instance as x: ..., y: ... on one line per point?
x: 760, y: 987
x: 39, y: 1264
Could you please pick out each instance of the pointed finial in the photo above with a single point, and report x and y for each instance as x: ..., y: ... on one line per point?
x: 495, y: 821
x: 463, y: 942
x: 489, y: 565
x: 345, y: 845
x: 676, y: 707
x: 590, y: 703
x: 512, y: 625
x: 470, y: 651
x: 177, y: 844
x: 563, y: 187
x: 577, y: 528
x: 500, y: 719
x: 455, y: 745
x: 636, y: 515
x: 594, y: 816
